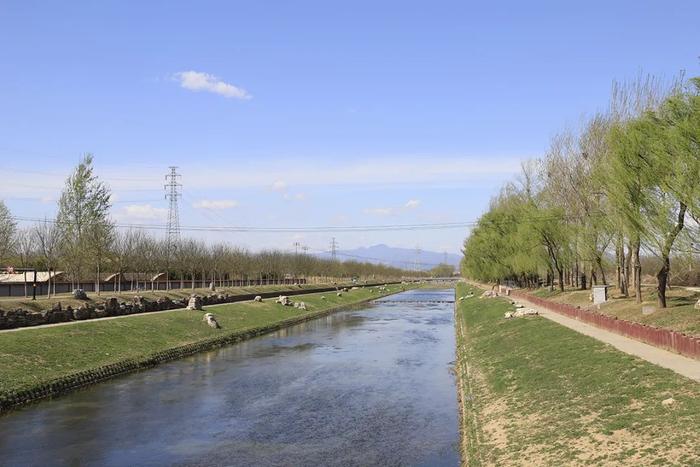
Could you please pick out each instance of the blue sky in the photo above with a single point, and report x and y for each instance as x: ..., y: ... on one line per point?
x: 307, y: 113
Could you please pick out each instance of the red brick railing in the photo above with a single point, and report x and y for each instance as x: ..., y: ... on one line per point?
x: 665, y: 338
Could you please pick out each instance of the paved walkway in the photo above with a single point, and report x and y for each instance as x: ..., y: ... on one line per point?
x: 688, y: 367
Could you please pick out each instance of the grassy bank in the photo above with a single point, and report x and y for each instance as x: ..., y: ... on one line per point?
x: 34, y: 357
x: 536, y: 393
x: 679, y: 316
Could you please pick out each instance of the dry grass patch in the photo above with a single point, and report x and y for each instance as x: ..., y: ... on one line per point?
x: 679, y: 316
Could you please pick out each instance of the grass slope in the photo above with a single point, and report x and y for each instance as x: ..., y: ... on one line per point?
x: 679, y: 316
x: 32, y: 356
x: 537, y: 393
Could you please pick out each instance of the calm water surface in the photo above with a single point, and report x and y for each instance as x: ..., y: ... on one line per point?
x: 364, y: 387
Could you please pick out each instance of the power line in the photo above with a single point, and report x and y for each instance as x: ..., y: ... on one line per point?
x: 316, y: 229
x: 200, y: 228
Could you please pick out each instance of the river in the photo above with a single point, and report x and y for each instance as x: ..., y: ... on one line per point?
x: 370, y: 386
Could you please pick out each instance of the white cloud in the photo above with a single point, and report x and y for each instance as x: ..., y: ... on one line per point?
x: 199, y: 81
x: 279, y: 185
x: 216, y: 204
x: 141, y: 212
x: 275, y: 173
x: 380, y: 211
x: 295, y: 196
x: 390, y: 211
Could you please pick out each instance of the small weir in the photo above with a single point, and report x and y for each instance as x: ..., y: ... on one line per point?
x: 370, y: 386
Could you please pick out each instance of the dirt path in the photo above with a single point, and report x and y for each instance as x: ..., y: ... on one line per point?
x: 684, y: 366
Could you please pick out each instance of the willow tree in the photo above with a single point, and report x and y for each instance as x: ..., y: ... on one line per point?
x: 571, y: 182
x: 673, y: 136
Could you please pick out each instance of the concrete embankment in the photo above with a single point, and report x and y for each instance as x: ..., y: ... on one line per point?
x: 46, y: 362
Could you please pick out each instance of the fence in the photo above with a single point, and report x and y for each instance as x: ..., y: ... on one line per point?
x: 665, y: 338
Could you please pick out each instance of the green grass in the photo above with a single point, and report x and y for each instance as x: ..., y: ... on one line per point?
x: 679, y: 316
x: 542, y: 394
x: 32, y: 356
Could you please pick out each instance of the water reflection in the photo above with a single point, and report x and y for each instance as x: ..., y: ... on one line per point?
x: 361, y: 387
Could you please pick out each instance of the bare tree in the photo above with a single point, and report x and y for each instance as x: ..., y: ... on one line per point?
x: 48, y: 237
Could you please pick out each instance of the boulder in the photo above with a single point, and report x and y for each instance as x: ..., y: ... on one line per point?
x: 79, y: 294
x: 211, y: 321
x: 525, y: 312
x: 80, y: 313
x: 194, y: 303
x: 47, y: 315
x: 257, y: 298
x: 339, y: 294
x: 35, y: 318
x: 508, y: 315
x: 91, y: 311
x: 697, y: 305
x: 126, y: 308
x: 284, y: 300
x: 323, y: 297
x: 164, y: 303
x: 143, y: 305
x: 137, y: 304
x: 668, y: 402
x: 112, y: 306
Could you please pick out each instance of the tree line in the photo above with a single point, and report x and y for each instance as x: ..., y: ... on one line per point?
x: 84, y: 242
x: 622, y: 186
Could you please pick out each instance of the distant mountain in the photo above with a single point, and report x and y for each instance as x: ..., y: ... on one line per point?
x: 405, y: 258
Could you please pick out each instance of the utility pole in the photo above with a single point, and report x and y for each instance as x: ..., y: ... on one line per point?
x: 296, y: 247
x: 172, y: 193
x: 334, y: 249
x: 417, y: 260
